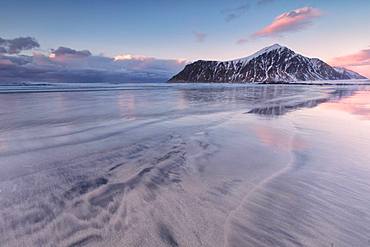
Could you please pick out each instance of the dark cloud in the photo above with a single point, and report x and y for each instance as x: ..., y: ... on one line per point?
x: 233, y: 13
x: 65, y: 51
x: 15, y: 46
x: 242, y: 41
x: 262, y: 2
x: 69, y: 65
x: 16, y: 60
x: 16, y: 74
x: 199, y: 36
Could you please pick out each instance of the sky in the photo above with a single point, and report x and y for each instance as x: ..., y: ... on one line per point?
x: 143, y: 38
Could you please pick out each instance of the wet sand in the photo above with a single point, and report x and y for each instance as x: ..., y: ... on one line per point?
x: 186, y: 165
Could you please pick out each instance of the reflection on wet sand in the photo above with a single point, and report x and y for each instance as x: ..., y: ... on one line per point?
x: 184, y: 166
x: 278, y: 108
x: 278, y: 139
x: 358, y: 104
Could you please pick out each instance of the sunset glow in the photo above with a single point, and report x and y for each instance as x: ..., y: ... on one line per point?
x: 197, y: 123
x: 124, y: 32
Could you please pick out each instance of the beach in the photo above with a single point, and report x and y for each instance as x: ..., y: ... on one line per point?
x: 185, y: 165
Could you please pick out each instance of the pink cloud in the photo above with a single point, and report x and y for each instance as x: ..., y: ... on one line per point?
x: 359, y: 62
x: 290, y: 21
x: 140, y: 62
x: 361, y: 58
x: 4, y: 61
x: 128, y: 57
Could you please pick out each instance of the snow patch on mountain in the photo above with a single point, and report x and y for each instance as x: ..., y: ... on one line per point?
x: 348, y: 72
x: 273, y: 47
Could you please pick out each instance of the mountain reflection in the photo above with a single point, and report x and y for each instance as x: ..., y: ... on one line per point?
x: 282, y: 107
x: 270, y: 100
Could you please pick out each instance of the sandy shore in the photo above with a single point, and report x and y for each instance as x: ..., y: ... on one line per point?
x: 183, y: 166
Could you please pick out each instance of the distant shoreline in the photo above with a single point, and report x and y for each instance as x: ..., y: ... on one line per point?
x: 318, y: 83
x: 88, y: 87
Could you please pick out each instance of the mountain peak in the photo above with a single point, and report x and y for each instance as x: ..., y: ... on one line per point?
x: 273, y: 47
x: 260, y: 52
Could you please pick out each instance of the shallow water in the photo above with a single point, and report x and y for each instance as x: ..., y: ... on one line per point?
x: 185, y: 165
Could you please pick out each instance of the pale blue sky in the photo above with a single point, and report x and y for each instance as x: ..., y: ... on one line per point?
x: 165, y: 28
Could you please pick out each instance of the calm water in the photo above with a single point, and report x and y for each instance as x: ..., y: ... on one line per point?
x: 185, y: 165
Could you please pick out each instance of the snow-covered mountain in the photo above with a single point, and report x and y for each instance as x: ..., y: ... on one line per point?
x: 349, y: 73
x: 275, y: 63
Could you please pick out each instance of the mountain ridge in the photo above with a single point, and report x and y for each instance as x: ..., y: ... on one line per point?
x: 272, y: 64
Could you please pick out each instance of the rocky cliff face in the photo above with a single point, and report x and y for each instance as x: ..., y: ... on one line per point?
x: 271, y: 64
